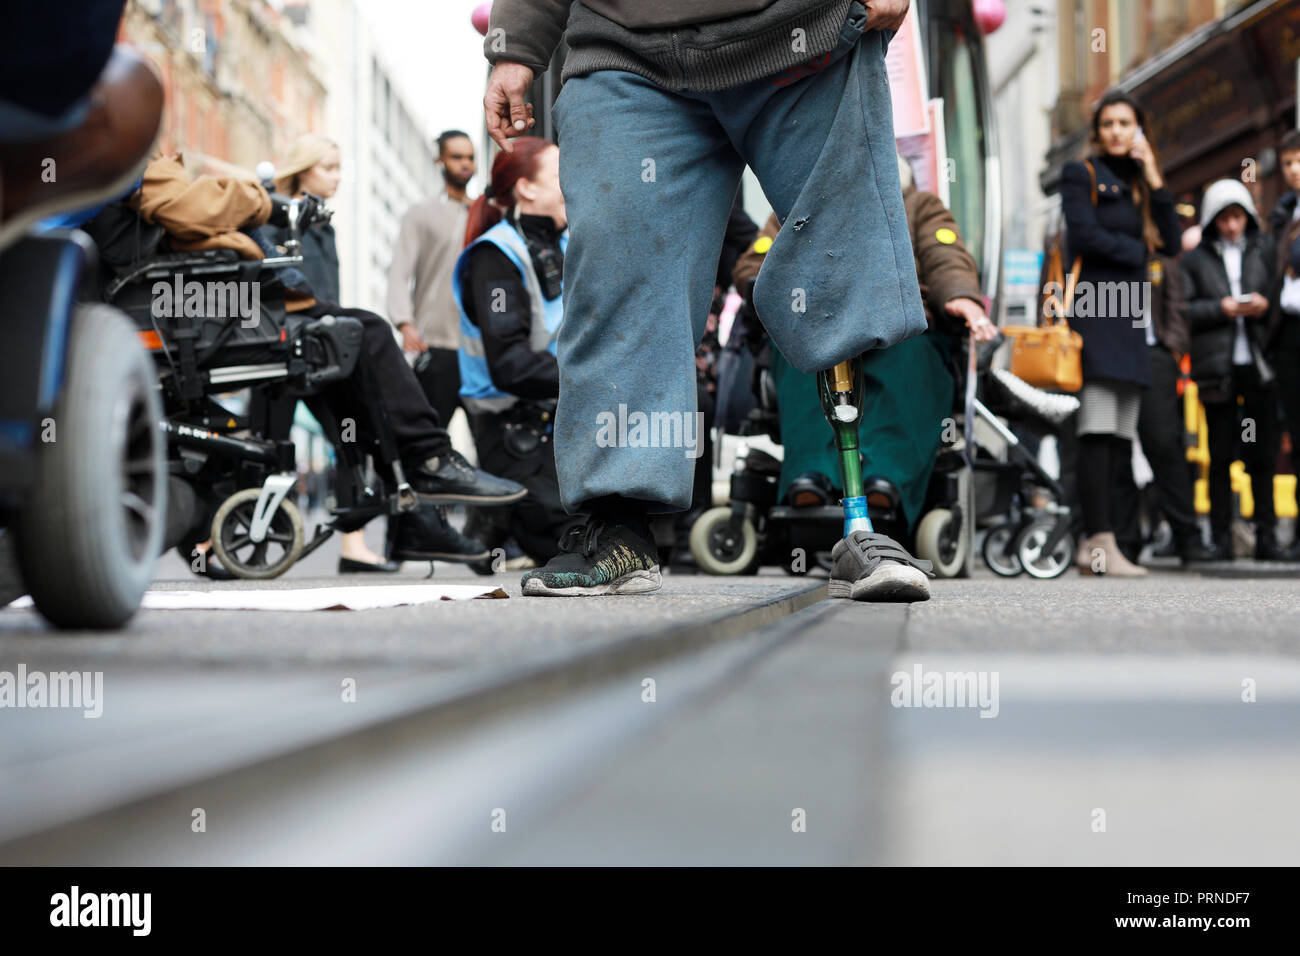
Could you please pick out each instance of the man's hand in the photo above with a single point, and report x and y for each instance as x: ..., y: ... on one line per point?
x: 507, y: 113
x: 1230, y: 306
x: 886, y: 14
x: 981, y: 329
x: 412, y: 341
x: 1257, y: 308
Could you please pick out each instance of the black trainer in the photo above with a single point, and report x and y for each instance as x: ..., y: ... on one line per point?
x: 448, y: 479
x: 875, y: 567
x: 1267, y: 548
x: 425, y: 534
x: 598, y: 558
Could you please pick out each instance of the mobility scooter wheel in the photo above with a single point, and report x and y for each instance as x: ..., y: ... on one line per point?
x: 999, y: 553
x: 719, y: 550
x: 232, y: 537
x: 1029, y: 550
x: 89, y: 539
x: 943, y: 542
x: 11, y: 580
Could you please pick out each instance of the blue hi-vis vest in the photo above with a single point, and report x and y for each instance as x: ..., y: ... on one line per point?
x: 476, y: 387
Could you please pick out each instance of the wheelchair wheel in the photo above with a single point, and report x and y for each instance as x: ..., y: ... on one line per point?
x: 90, y: 536
x: 11, y: 580
x: 256, y: 560
x: 1029, y: 549
x: 998, y: 552
x: 943, y: 542
x: 717, y: 550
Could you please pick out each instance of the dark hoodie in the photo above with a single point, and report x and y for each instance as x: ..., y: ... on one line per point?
x: 1206, y: 282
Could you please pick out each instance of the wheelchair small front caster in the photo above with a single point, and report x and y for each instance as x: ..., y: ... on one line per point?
x: 249, y: 551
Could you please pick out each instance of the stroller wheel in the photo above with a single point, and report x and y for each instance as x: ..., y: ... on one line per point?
x: 1028, y: 548
x: 943, y: 542
x: 719, y: 550
x: 258, y: 560
x: 999, y: 553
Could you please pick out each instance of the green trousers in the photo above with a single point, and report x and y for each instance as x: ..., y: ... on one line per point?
x: 908, y: 395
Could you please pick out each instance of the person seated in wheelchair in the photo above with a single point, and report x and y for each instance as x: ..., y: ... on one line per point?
x: 909, y: 389
x: 380, y: 394
x: 508, y: 284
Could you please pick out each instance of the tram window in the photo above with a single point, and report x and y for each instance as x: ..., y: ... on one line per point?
x: 964, y: 131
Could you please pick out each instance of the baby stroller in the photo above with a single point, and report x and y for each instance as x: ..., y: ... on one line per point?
x: 988, y: 479
x: 230, y: 474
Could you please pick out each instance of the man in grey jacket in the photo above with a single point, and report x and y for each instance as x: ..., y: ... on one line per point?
x: 663, y: 106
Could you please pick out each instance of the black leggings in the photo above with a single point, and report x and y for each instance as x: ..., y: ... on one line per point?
x: 1103, y: 460
x: 414, y: 423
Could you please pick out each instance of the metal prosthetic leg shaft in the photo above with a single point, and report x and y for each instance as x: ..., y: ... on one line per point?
x: 841, y: 389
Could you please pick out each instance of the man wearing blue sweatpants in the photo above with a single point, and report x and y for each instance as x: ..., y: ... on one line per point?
x: 663, y: 105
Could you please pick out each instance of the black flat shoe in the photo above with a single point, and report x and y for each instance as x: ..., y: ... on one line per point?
x: 1194, y: 552
x: 349, y: 566
x: 812, y: 489
x: 210, y: 565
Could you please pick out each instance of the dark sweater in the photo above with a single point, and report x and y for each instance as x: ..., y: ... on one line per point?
x: 703, y: 45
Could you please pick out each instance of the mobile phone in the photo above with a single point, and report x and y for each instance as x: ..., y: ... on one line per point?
x: 1243, y: 299
x: 1140, y: 136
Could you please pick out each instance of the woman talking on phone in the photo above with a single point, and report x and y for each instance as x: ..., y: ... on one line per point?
x: 1118, y: 213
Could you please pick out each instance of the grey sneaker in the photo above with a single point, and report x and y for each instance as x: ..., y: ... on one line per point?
x: 875, y: 567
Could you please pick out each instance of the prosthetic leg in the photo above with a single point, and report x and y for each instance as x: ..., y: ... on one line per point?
x: 841, y: 389
x: 868, y: 566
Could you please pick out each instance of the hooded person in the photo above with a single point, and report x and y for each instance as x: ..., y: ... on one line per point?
x: 1227, y: 279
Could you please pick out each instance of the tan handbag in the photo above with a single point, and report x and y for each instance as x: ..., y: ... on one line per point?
x: 1051, y: 355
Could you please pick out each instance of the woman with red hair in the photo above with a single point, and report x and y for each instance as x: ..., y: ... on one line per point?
x: 508, y: 284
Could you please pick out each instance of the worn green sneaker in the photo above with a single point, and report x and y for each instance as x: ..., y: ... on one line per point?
x: 598, y: 558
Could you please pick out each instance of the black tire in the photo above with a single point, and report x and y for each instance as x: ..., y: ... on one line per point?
x: 11, y: 579
x: 239, y: 555
x: 944, y: 546
x: 1029, y: 549
x: 998, y: 551
x: 89, y: 539
x: 716, y: 551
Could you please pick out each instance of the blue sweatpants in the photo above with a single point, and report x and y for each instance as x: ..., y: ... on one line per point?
x: 649, y: 175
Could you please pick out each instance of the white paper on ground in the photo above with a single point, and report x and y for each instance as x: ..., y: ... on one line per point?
x: 310, y: 599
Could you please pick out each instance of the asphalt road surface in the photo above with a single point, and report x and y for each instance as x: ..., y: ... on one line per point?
x: 746, y: 720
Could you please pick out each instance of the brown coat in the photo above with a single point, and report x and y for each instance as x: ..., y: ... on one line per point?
x: 1169, y: 305
x: 944, y: 267
x: 203, y: 213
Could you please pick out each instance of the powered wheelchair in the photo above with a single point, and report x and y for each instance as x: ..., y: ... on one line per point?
x: 983, y: 477
x: 217, y: 324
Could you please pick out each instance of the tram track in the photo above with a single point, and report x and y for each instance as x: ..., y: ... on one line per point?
x: 331, y: 761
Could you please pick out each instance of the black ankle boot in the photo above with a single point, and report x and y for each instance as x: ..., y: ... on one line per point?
x: 425, y: 535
